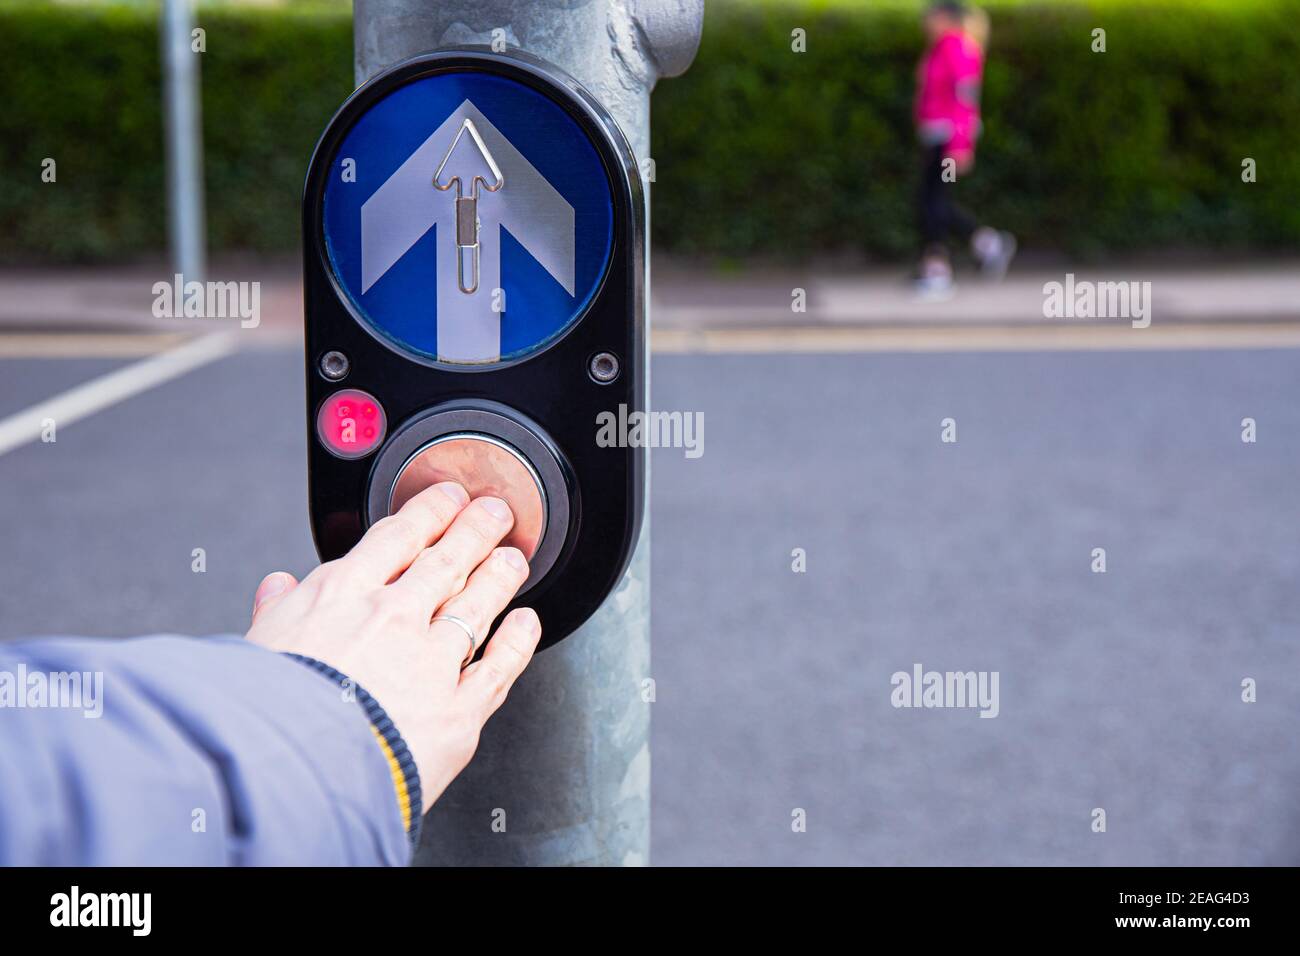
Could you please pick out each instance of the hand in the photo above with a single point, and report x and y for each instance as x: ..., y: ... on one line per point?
x: 368, y: 615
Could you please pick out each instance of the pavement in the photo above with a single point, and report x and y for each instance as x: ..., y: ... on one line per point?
x: 691, y: 297
x: 1119, y: 691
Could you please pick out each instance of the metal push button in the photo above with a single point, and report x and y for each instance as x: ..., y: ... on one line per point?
x: 490, y: 450
x: 483, y: 465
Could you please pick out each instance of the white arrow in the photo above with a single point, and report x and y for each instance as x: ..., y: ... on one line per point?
x: 405, y: 207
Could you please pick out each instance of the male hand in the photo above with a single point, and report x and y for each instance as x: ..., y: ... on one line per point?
x: 368, y: 615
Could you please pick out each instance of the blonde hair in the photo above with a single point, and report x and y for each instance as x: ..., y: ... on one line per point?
x: 975, y: 24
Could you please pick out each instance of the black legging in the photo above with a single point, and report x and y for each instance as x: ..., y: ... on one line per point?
x: 941, y: 217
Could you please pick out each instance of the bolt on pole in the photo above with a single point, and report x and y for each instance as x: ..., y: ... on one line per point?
x: 562, y: 773
x: 184, y: 132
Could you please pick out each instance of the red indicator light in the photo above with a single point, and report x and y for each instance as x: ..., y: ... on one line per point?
x: 351, y: 423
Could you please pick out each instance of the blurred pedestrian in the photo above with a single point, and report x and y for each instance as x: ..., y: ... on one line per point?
x: 947, y: 116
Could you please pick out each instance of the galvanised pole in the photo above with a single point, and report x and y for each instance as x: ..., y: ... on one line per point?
x: 562, y: 774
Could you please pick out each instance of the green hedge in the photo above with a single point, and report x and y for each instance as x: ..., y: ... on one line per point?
x: 758, y: 150
x: 82, y: 85
x: 764, y: 150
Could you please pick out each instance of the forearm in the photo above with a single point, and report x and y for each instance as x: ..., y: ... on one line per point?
x: 187, y: 751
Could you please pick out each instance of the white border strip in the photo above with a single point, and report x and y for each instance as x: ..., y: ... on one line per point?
x: 123, y: 383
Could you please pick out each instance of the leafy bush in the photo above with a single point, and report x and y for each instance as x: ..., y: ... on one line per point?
x: 81, y: 85
x: 759, y: 150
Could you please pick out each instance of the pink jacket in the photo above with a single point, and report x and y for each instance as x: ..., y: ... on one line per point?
x: 947, y: 94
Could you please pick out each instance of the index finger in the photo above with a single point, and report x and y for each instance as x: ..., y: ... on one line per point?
x: 392, y: 543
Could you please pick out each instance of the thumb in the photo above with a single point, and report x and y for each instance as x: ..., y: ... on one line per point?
x: 273, y: 585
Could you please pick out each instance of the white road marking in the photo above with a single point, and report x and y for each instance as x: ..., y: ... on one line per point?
x: 116, y: 386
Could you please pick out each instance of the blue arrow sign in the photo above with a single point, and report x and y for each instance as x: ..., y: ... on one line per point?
x: 468, y: 217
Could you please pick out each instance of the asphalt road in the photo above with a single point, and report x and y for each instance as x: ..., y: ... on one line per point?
x: 1119, y: 690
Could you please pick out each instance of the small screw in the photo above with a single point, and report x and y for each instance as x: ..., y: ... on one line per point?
x: 334, y: 366
x: 604, y: 367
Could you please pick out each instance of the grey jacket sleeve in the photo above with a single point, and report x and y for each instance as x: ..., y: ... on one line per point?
x: 190, y: 751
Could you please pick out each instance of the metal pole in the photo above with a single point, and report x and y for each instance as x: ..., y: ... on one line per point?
x: 562, y: 774
x: 184, y: 140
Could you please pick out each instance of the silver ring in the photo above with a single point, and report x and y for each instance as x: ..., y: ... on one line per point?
x: 464, y: 626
